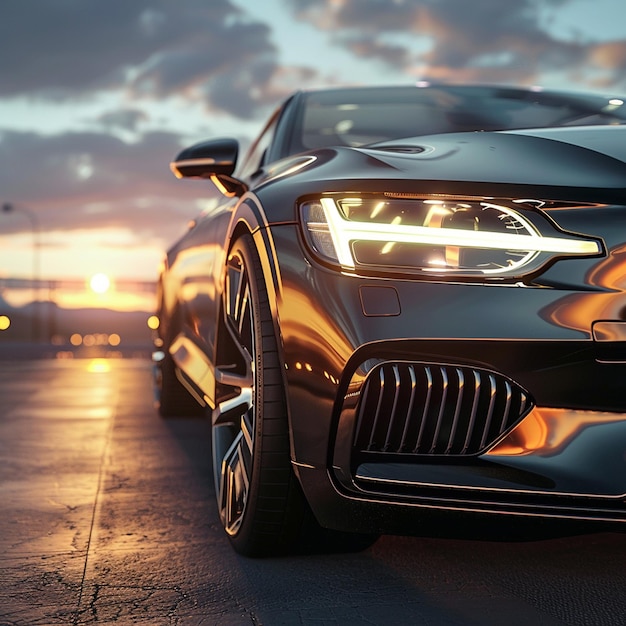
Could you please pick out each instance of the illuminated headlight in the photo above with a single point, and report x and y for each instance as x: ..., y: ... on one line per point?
x: 435, y: 235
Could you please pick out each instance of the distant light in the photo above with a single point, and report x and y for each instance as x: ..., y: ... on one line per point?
x: 153, y: 322
x: 422, y: 83
x: 5, y: 322
x: 114, y: 339
x: 76, y: 339
x: 89, y: 340
x: 100, y: 283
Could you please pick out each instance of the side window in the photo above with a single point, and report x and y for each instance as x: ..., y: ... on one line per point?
x: 255, y: 159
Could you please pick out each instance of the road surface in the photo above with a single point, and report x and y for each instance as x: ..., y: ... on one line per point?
x: 108, y: 516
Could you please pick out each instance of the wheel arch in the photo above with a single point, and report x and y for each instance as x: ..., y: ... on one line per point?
x: 249, y: 219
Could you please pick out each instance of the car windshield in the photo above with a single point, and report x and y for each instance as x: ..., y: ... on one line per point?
x: 356, y: 117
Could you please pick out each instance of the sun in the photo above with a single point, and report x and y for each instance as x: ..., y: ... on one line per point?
x: 100, y: 283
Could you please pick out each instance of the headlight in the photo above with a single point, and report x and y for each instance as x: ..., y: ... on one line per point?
x: 433, y: 235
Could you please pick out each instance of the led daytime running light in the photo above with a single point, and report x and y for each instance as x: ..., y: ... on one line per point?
x: 343, y: 232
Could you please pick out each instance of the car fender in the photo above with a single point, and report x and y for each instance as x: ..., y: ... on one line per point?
x: 249, y: 217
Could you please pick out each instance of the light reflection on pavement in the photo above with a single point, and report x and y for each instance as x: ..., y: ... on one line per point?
x: 108, y: 516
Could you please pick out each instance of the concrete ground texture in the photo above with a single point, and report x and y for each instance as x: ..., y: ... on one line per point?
x: 107, y: 515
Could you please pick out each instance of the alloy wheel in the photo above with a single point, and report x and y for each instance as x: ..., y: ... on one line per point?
x: 234, y: 426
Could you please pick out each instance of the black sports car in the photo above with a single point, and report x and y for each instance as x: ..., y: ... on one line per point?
x: 391, y: 312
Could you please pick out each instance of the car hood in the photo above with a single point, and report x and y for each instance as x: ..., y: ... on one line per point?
x: 578, y: 157
x: 581, y: 163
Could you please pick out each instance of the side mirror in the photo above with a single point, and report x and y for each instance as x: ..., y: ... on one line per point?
x: 216, y: 160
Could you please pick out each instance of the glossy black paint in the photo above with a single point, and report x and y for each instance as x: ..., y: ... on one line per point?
x: 217, y: 156
x: 565, y: 457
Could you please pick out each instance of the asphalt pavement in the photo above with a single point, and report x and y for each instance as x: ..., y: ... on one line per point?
x: 107, y: 516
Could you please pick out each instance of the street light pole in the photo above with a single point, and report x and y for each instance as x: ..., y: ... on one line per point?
x: 8, y: 207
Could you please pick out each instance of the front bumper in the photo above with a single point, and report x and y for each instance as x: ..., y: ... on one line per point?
x: 558, y: 462
x: 558, y: 447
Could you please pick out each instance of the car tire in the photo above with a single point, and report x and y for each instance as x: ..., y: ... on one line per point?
x: 259, y: 499
x: 257, y: 494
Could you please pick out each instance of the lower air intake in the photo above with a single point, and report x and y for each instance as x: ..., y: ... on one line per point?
x: 432, y: 409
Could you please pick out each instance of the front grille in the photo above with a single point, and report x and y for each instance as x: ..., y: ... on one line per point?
x: 433, y: 409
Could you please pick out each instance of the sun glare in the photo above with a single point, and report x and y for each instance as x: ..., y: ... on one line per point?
x: 100, y: 283
x: 99, y: 366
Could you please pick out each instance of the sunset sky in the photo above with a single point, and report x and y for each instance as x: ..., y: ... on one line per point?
x: 96, y: 97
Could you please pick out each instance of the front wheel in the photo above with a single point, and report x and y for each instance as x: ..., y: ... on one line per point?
x: 259, y: 500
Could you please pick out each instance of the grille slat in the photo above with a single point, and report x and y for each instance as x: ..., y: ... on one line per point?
x: 442, y: 407
x: 472, y: 420
x: 457, y: 410
x: 429, y: 389
x: 432, y: 409
x: 507, y: 408
x: 379, y: 404
x: 407, y: 422
x: 492, y: 398
x: 396, y: 376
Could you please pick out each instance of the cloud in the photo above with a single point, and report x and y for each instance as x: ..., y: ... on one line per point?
x: 78, y: 181
x: 482, y: 40
x: 147, y: 48
x: 606, y: 64
x: 372, y: 48
x: 124, y: 119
